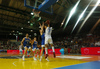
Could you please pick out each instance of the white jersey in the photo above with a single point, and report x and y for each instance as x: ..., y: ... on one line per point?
x: 48, y: 32
x: 48, y: 38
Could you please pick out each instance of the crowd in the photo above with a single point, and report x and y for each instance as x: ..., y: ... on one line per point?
x: 76, y: 43
x: 9, y: 45
x: 73, y: 43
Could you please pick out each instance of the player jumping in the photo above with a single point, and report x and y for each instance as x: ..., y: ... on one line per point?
x: 43, y: 40
x: 48, y: 38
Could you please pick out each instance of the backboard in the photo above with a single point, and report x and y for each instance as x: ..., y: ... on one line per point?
x: 40, y: 5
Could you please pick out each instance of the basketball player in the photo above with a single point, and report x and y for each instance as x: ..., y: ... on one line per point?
x: 35, y: 48
x: 43, y: 40
x: 20, y: 49
x: 48, y: 38
x: 26, y: 43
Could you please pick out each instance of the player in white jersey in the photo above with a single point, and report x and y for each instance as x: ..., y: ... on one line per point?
x: 48, y: 38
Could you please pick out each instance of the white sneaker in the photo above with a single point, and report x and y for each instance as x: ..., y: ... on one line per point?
x: 47, y: 59
x: 23, y: 58
x: 34, y: 58
x: 40, y: 59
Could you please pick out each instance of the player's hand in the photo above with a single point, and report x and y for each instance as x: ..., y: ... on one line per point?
x: 39, y: 23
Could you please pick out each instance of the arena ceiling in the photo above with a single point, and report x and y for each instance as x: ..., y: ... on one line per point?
x: 14, y: 16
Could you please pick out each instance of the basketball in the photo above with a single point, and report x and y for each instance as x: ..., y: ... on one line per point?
x: 48, y: 22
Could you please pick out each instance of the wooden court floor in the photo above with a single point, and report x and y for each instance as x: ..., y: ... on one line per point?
x: 11, y: 61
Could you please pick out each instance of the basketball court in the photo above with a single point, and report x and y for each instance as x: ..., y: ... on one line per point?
x: 11, y: 61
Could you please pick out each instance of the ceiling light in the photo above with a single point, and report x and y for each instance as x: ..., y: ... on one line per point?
x: 32, y: 13
x: 28, y: 21
x: 31, y: 30
x: 22, y: 28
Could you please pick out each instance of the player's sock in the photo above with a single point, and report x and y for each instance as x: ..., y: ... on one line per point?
x: 28, y: 52
x: 43, y: 52
x: 46, y: 50
x: 53, y: 49
x: 34, y: 57
x: 21, y: 52
x: 40, y: 58
x: 46, y: 56
x: 23, y: 57
x: 37, y: 56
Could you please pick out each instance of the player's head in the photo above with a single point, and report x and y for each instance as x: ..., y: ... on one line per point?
x: 41, y: 31
x: 35, y: 38
x: 27, y: 35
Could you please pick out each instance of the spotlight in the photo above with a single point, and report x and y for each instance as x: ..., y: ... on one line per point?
x: 71, y: 13
x: 80, y: 17
x: 90, y: 13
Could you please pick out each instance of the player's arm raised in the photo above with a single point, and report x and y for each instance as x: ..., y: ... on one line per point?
x: 41, y: 29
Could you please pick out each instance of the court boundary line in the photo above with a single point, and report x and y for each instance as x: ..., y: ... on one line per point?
x: 14, y: 63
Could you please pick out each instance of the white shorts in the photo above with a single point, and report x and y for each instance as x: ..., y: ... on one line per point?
x: 42, y: 45
x: 27, y: 47
x: 20, y: 49
x: 48, y: 40
x: 35, y: 49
